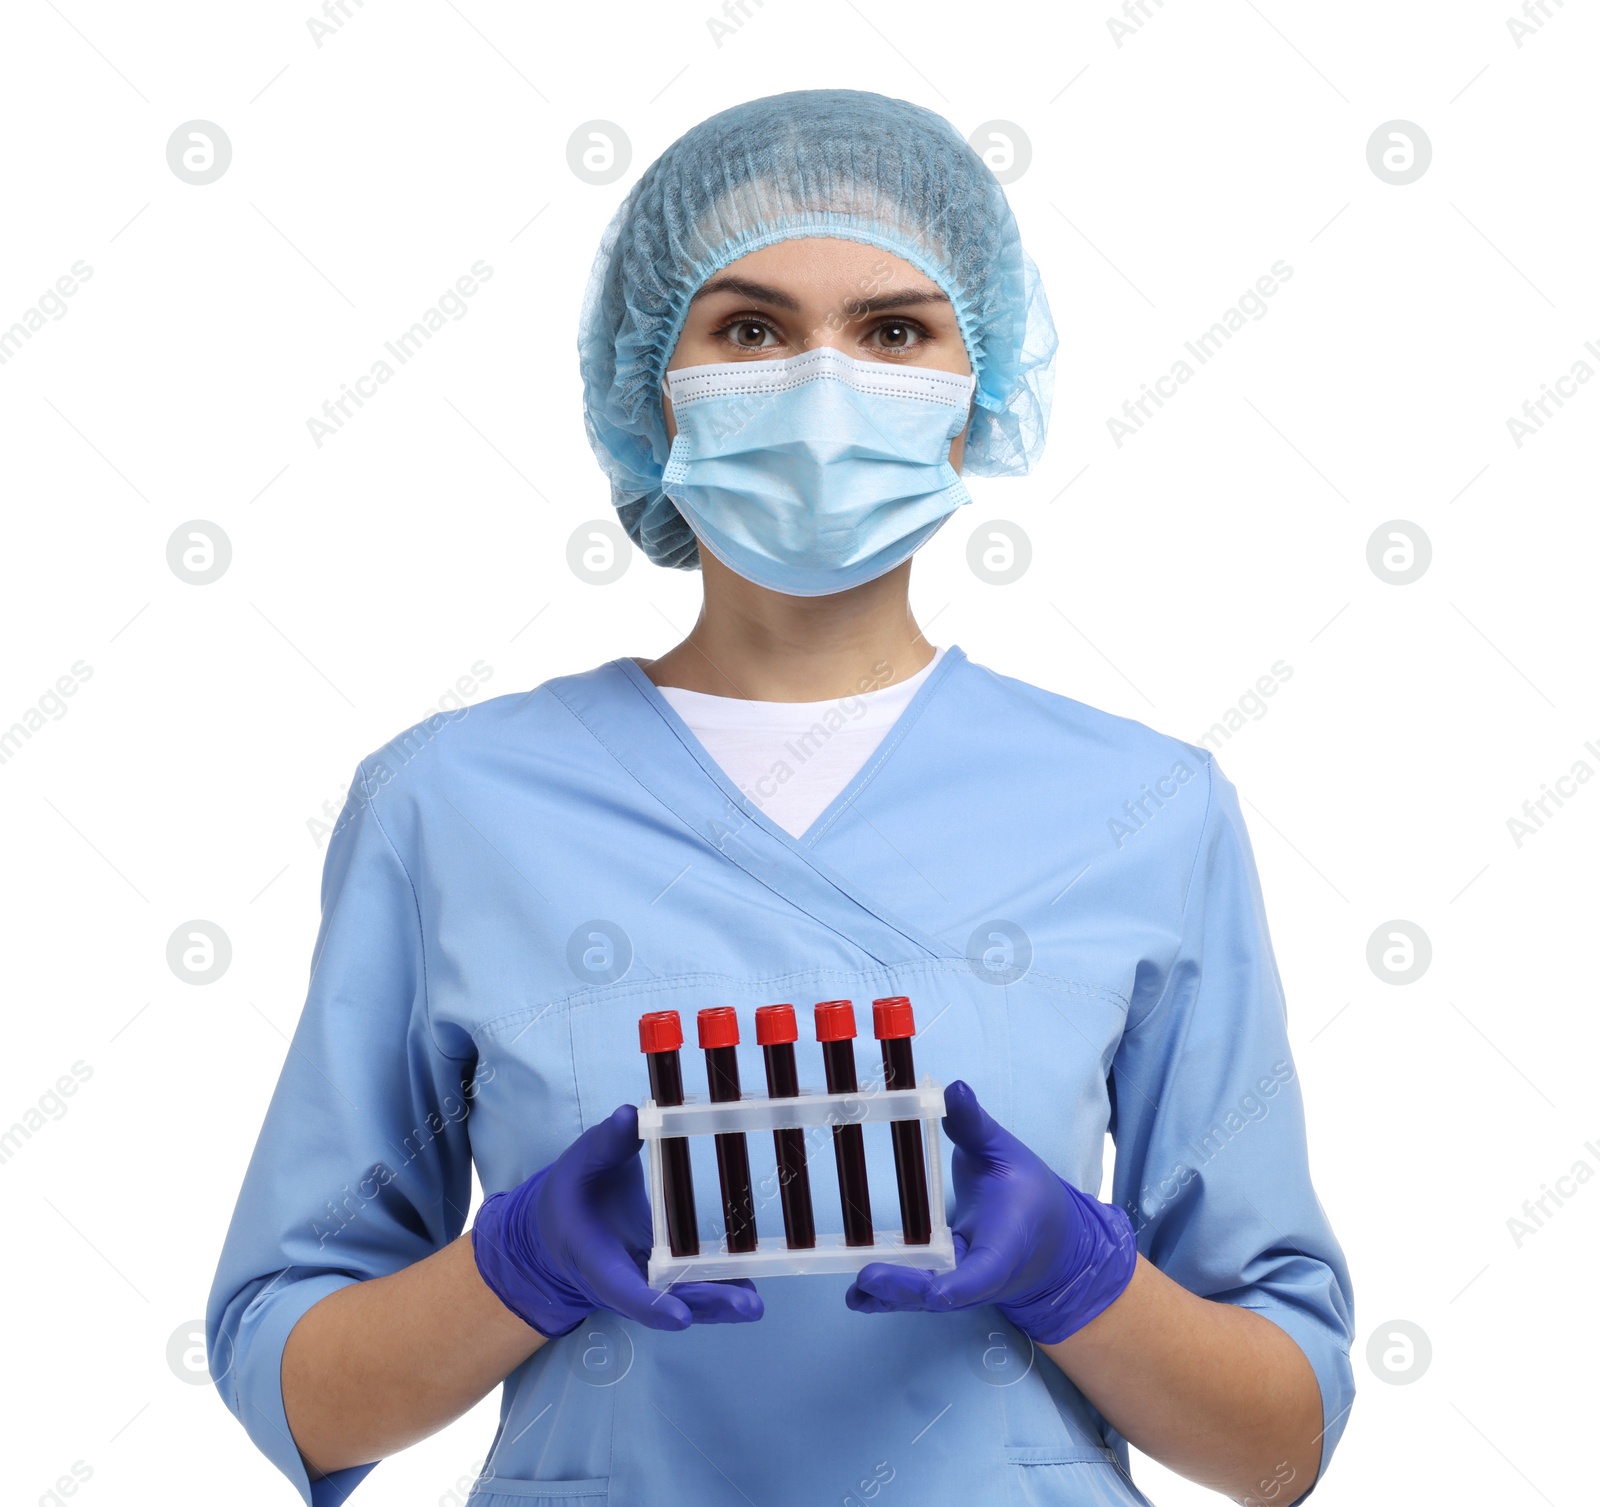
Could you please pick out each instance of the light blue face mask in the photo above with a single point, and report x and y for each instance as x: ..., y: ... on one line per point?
x: 814, y: 474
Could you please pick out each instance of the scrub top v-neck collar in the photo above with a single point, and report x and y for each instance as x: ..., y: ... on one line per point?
x: 835, y: 808
x: 666, y: 758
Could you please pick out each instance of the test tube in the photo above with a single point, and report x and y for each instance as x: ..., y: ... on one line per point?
x: 836, y: 1030
x: 719, y: 1035
x: 660, y: 1036
x: 777, y: 1033
x: 894, y: 1026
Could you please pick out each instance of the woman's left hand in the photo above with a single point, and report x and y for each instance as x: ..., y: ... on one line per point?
x: 1051, y: 1258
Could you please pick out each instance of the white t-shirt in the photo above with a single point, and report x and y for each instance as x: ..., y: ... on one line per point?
x: 791, y: 758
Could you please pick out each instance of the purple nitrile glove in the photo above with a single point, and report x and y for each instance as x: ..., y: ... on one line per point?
x: 576, y: 1237
x: 1049, y: 1257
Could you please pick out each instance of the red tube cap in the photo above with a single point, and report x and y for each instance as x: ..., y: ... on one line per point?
x: 775, y: 1025
x: 719, y: 1027
x: 891, y: 1018
x: 836, y: 1020
x: 660, y: 1031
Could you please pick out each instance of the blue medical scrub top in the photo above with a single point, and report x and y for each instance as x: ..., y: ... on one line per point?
x: 1069, y: 899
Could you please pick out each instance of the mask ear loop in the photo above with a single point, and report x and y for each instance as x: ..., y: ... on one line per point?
x: 677, y: 466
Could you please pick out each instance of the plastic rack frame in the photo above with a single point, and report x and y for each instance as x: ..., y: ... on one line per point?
x: 698, y: 1116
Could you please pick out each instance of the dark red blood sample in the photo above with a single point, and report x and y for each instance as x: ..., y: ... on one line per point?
x: 777, y: 1033
x: 836, y: 1030
x: 894, y: 1026
x: 719, y: 1035
x: 660, y: 1037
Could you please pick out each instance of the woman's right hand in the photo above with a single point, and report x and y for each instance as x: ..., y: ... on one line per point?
x: 575, y: 1237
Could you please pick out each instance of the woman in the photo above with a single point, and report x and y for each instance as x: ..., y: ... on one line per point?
x: 810, y: 314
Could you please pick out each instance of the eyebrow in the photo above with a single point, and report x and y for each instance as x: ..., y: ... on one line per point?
x: 904, y: 299
x: 756, y: 292
x: 761, y: 293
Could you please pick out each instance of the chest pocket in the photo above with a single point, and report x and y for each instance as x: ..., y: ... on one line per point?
x: 505, y: 1492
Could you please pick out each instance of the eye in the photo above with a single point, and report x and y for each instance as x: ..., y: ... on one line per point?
x: 897, y: 335
x: 749, y: 334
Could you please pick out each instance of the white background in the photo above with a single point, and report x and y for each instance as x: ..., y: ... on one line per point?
x: 431, y: 532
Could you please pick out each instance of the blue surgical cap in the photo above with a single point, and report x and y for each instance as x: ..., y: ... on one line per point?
x: 816, y: 162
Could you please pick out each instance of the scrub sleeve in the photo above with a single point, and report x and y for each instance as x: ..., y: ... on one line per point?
x: 1209, y: 1121
x: 362, y: 1166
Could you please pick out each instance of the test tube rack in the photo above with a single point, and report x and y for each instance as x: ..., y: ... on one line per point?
x: 699, y: 1116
